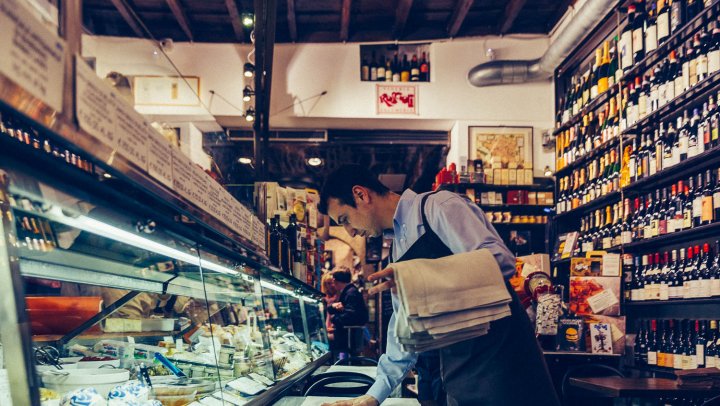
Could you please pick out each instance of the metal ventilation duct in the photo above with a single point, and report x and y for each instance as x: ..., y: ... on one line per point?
x: 520, y: 71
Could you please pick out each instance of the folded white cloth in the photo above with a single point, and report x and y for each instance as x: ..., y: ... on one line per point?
x: 447, y: 300
x: 469, y: 280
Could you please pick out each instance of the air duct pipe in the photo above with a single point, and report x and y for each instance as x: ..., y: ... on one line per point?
x: 509, y: 72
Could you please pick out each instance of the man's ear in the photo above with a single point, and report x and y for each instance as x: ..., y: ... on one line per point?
x: 360, y: 193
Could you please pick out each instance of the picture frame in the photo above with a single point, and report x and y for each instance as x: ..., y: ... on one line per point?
x: 501, y: 147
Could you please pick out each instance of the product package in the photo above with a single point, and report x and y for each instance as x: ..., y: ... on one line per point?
x: 571, y: 334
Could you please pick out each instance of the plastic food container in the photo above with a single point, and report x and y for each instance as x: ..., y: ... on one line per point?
x: 158, y: 324
x: 103, y: 380
x: 179, y: 400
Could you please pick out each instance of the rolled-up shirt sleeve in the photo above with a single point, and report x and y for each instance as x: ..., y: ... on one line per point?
x: 463, y: 227
x: 392, y: 366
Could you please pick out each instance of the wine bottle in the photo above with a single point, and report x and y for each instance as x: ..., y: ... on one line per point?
x: 626, y: 41
x: 663, y: 21
x: 651, y: 32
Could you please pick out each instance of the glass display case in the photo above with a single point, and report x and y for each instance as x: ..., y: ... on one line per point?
x: 109, y: 294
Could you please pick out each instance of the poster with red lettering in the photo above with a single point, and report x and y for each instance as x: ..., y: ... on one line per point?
x: 397, y: 99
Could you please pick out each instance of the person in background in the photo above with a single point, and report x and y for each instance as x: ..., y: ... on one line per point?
x: 349, y: 311
x: 504, y: 366
x: 330, y: 296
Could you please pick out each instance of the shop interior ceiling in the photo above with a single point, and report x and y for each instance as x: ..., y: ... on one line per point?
x: 417, y: 157
x: 324, y: 20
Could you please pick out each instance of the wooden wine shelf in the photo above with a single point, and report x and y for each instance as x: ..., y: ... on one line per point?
x: 714, y: 301
x: 587, y: 157
x: 684, y: 169
x: 579, y: 354
x: 599, y: 202
x: 593, y: 105
x: 677, y: 237
x: 456, y: 187
x: 672, y: 42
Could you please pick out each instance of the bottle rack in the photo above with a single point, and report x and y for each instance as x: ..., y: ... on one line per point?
x: 691, y: 308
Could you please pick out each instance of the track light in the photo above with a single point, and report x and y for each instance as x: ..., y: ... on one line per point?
x: 248, y: 20
x: 250, y: 115
x: 314, y: 161
x: 248, y: 93
x: 245, y: 160
x: 248, y: 70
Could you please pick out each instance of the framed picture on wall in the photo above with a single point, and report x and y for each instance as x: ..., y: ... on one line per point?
x: 501, y: 147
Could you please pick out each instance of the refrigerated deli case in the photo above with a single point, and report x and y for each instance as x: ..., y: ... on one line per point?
x: 110, y: 292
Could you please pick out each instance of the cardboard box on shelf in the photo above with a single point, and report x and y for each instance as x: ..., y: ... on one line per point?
x: 595, y: 295
x: 512, y: 177
x: 514, y: 197
x: 528, y: 176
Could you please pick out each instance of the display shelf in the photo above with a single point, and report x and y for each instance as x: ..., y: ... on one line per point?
x: 504, y: 225
x: 587, y: 157
x: 676, y: 106
x: 653, y: 369
x: 592, y: 105
x: 578, y: 354
x: 684, y: 169
x: 518, y: 208
x: 710, y: 301
x: 599, y: 202
x: 456, y: 187
x: 676, y: 237
x: 45, y: 338
x: 673, y: 42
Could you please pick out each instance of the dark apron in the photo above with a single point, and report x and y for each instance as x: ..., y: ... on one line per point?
x: 503, y: 367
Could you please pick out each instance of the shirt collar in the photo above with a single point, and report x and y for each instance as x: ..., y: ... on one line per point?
x: 401, y: 211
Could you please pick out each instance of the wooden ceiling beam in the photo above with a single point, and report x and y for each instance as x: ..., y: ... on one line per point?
x: 292, y: 21
x: 512, y: 10
x: 462, y: 7
x: 129, y: 16
x: 345, y: 20
x: 401, y: 17
x: 235, y: 20
x: 181, y: 17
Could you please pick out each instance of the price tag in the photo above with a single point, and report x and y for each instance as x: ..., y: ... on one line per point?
x: 95, y: 105
x: 159, y: 158
x: 602, y: 301
x: 32, y: 55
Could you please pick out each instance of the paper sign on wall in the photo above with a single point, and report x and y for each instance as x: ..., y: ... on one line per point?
x: 95, y: 105
x: 32, y: 55
x: 397, y: 99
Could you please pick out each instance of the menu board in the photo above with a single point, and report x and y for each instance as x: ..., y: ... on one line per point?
x: 33, y: 55
x: 133, y: 134
x: 181, y: 173
x: 159, y: 156
x: 95, y: 105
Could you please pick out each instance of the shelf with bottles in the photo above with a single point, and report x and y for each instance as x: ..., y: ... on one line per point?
x: 592, y: 105
x: 666, y: 32
x: 395, y: 63
x: 692, y: 278
x: 596, y: 178
x: 578, y: 162
x: 592, y: 205
x: 461, y: 187
x: 668, y: 345
x: 687, y: 99
x: 714, y: 301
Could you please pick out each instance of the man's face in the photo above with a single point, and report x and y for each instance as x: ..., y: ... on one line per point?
x: 358, y: 220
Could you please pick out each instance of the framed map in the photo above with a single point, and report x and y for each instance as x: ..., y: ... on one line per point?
x: 502, y: 147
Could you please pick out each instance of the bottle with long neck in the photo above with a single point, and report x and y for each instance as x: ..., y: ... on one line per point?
x: 638, y: 35
x: 424, y: 68
x: 651, y: 32
x: 663, y: 21
x: 414, y: 69
x: 626, y: 41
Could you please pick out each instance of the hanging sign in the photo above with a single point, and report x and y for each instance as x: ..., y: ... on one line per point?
x: 397, y: 99
x: 32, y: 55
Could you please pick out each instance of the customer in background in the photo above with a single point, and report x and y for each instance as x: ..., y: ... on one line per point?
x: 504, y: 366
x: 327, y: 286
x: 348, y: 313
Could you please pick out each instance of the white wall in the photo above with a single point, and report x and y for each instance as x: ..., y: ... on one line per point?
x: 302, y: 71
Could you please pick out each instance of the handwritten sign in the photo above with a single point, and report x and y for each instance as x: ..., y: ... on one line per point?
x: 182, y: 174
x: 133, y: 133
x: 32, y: 55
x: 96, y: 105
x: 159, y: 154
x: 397, y: 99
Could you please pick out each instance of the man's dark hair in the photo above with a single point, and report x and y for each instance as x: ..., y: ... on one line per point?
x: 342, y: 276
x: 340, y: 182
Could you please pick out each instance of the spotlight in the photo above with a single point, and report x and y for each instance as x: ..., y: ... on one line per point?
x: 245, y: 160
x: 248, y: 20
x: 548, y: 171
x: 248, y: 70
x: 250, y: 115
x: 314, y: 161
x: 248, y: 93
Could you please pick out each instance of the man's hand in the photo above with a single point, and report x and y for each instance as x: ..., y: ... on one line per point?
x: 364, y: 400
x: 338, y: 306
x: 388, y: 273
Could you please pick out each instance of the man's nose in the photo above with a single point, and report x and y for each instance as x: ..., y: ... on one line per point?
x: 350, y: 230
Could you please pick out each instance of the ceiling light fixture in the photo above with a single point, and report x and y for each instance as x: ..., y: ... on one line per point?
x: 245, y: 160
x: 248, y: 93
x: 250, y: 115
x: 248, y: 20
x: 248, y: 70
x: 314, y: 161
x: 548, y: 171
